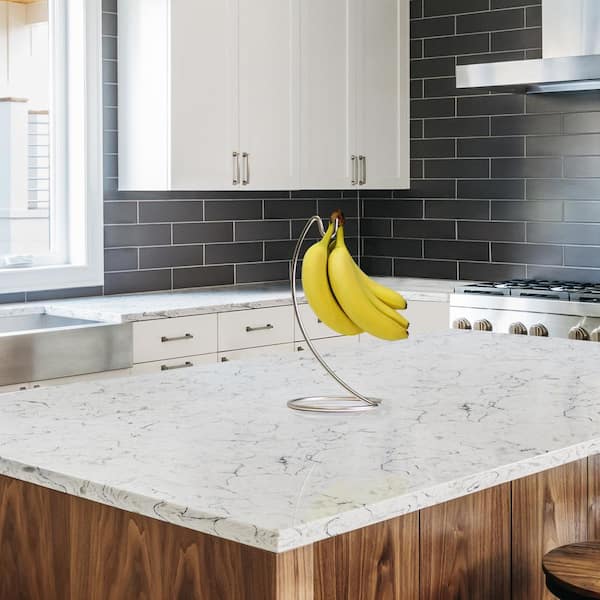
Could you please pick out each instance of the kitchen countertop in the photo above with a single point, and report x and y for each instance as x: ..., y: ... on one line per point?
x: 156, y: 305
x: 216, y: 450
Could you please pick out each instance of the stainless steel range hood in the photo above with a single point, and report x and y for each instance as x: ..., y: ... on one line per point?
x: 570, y: 54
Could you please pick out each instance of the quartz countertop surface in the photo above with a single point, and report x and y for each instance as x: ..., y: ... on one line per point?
x: 215, y: 448
x: 156, y: 305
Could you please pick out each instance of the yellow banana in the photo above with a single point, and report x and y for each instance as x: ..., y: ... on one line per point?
x: 318, y: 291
x: 354, y: 299
x: 382, y: 306
x: 385, y: 294
x: 390, y: 297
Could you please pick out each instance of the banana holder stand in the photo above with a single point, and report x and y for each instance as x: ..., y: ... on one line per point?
x: 355, y: 402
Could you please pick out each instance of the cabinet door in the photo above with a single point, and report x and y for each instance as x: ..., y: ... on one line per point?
x: 268, y: 57
x: 203, y: 111
x: 427, y: 317
x: 256, y: 353
x: 383, y: 93
x: 173, y: 364
x: 328, y: 66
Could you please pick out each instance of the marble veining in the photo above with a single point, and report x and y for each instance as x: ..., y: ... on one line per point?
x: 157, y: 305
x: 215, y: 449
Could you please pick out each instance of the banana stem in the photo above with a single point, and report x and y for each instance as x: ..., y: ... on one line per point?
x: 370, y: 403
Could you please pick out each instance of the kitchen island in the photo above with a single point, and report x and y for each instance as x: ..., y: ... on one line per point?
x: 202, y: 484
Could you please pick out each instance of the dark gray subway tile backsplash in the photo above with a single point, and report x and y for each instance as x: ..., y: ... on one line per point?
x: 522, y: 190
x: 503, y: 185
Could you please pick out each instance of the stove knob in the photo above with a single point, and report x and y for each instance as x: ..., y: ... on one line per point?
x: 595, y: 335
x: 461, y: 324
x: 578, y: 333
x: 538, y: 330
x: 517, y: 328
x: 482, y: 325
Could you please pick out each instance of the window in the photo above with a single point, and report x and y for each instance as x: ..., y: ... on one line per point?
x: 50, y: 144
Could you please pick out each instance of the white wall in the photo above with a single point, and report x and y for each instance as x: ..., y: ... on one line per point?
x: 24, y: 52
x: 24, y: 75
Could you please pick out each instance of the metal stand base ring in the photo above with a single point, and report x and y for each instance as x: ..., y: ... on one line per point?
x: 332, y: 404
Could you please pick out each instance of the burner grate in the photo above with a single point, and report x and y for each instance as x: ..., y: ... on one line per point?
x: 548, y: 289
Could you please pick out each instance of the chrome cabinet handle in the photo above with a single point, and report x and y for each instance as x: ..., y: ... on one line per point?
x: 185, y: 365
x: 354, y: 170
x: 267, y: 326
x: 187, y: 336
x: 245, y: 168
x: 362, y: 160
x: 236, y: 168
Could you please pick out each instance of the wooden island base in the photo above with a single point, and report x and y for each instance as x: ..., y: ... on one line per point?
x: 488, y: 545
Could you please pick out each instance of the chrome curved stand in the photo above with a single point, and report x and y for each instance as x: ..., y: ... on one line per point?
x: 329, y: 404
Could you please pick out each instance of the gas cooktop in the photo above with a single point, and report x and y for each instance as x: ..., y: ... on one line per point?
x: 535, y: 288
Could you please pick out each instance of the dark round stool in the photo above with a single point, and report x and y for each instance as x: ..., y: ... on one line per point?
x: 573, y: 571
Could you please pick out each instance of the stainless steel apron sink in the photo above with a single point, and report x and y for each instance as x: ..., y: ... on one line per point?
x: 39, y: 346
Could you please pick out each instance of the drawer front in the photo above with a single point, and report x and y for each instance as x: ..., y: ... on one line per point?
x: 329, y: 345
x: 428, y: 317
x: 313, y: 326
x: 171, y: 338
x: 4, y: 389
x: 173, y: 364
x: 277, y: 350
x: 257, y: 327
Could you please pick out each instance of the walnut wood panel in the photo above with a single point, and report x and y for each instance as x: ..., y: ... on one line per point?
x: 58, y: 547
x: 465, y: 547
x: 594, y: 498
x: 549, y: 510
x: 379, y: 562
x: 33, y: 543
x: 295, y: 574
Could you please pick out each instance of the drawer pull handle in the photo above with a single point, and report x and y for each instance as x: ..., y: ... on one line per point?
x: 224, y: 359
x: 300, y: 349
x: 185, y: 365
x: 187, y: 336
x: 263, y: 328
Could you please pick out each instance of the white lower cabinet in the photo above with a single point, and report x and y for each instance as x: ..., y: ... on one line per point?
x: 183, y: 342
x: 161, y: 339
x: 276, y: 350
x: 330, y: 344
x: 427, y: 317
x: 173, y: 364
x: 255, y: 327
x: 18, y: 387
x: 314, y: 327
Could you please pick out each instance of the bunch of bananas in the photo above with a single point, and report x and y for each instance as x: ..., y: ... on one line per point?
x: 345, y: 298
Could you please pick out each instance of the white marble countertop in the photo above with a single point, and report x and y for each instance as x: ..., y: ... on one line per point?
x: 216, y: 450
x: 156, y: 305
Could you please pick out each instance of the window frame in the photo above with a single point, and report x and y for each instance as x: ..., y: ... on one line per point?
x: 76, y: 155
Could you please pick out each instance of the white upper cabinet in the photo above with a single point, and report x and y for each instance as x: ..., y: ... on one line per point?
x: 204, y: 95
x: 383, y: 94
x: 263, y: 94
x: 178, y: 98
x: 328, y: 68
x: 354, y: 94
x: 268, y: 82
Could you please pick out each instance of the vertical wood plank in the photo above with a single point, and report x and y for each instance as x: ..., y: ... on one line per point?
x: 549, y: 509
x: 116, y: 554
x: 465, y: 547
x: 594, y: 497
x: 295, y: 574
x: 379, y: 562
x: 33, y: 542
